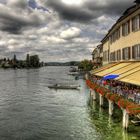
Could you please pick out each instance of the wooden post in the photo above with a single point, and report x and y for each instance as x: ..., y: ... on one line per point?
x: 111, y: 107
x: 94, y: 95
x: 125, y: 119
x: 101, y: 100
x: 86, y: 76
x: 90, y: 90
x: 94, y: 104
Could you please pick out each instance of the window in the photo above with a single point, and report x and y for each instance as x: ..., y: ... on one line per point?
x: 105, y: 55
x: 136, y: 23
x: 136, y: 52
x: 118, y: 55
x: 126, y: 53
x: 112, y: 56
x: 101, y: 49
x: 115, y: 36
x: 126, y: 28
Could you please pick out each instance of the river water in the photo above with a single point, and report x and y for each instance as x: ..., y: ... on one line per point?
x: 31, y: 111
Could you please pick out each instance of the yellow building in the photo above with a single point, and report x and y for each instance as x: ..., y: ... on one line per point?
x: 122, y: 43
x: 97, y: 56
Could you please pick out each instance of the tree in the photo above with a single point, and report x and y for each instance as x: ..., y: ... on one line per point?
x: 14, y: 61
x: 15, y: 58
x: 85, y: 65
x: 28, y: 60
x: 34, y: 61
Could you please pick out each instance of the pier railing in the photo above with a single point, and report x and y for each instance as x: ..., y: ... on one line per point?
x: 131, y: 107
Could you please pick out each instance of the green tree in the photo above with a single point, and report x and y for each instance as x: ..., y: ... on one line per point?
x: 85, y: 65
x: 34, y: 61
x: 15, y: 58
x: 28, y: 60
x: 14, y: 61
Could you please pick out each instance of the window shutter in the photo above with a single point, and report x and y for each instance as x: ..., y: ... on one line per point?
x: 139, y: 21
x: 123, y: 30
x: 123, y: 54
x: 139, y: 51
x: 120, y: 55
x: 133, y: 52
x: 129, y: 53
x: 128, y: 26
x: 133, y: 24
x: 117, y: 55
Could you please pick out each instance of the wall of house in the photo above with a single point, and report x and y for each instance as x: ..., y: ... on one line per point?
x: 105, y: 52
x: 133, y: 38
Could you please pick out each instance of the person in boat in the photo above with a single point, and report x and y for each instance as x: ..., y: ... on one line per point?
x: 56, y: 85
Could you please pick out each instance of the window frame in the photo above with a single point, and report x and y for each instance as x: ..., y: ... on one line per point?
x: 126, y: 53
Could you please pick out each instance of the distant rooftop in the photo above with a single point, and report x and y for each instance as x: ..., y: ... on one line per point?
x: 130, y: 10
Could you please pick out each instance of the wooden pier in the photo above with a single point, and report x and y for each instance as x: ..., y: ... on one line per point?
x: 127, y: 108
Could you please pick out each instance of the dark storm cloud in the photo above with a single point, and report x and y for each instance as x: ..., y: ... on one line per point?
x: 13, y: 16
x: 13, y: 24
x: 58, y: 35
x: 109, y: 7
x: 71, y: 13
x: 91, y: 9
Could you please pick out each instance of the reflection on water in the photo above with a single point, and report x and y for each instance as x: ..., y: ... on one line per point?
x: 31, y: 111
x: 110, y: 128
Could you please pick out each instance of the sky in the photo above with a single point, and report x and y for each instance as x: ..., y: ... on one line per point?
x: 56, y: 30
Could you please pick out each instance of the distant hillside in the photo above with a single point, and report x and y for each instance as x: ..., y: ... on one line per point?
x: 71, y: 63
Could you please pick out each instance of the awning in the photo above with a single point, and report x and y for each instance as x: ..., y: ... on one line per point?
x: 112, y: 69
x: 129, y: 72
x: 103, y: 68
x: 132, y: 78
x: 128, y: 68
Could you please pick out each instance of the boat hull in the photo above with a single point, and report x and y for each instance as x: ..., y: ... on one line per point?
x: 62, y: 87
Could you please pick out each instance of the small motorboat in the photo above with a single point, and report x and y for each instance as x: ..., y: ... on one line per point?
x: 72, y: 69
x: 56, y: 86
x: 73, y: 73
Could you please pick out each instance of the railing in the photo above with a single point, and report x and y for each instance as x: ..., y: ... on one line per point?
x: 131, y: 107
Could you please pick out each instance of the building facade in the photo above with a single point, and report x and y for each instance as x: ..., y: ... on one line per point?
x: 97, y: 56
x: 122, y: 43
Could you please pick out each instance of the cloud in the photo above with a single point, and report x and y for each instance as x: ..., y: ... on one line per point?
x: 70, y: 33
x: 52, y: 39
x: 17, y: 4
x: 61, y: 33
x: 12, y: 42
x: 16, y: 15
x: 89, y: 10
x: 71, y: 12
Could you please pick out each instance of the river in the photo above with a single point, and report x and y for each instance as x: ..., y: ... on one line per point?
x: 31, y: 111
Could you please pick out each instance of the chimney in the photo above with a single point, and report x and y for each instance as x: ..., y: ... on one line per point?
x: 137, y: 1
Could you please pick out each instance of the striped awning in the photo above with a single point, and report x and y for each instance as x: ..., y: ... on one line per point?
x: 103, y: 68
x: 133, y: 78
x: 129, y: 72
x: 112, y: 69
